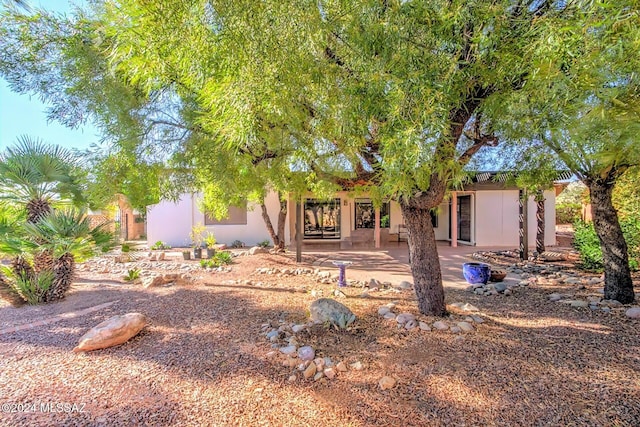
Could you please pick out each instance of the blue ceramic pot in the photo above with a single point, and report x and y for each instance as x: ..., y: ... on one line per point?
x: 476, y: 272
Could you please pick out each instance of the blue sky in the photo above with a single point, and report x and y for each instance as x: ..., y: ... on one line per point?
x: 25, y: 115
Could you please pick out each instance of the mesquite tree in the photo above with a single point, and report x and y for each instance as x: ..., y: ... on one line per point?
x: 397, y: 97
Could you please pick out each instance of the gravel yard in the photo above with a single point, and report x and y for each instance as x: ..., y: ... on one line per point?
x: 205, y: 358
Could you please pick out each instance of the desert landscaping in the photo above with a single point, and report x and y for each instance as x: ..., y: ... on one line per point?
x: 236, y: 346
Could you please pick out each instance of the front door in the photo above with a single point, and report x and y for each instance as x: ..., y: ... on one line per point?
x: 464, y: 218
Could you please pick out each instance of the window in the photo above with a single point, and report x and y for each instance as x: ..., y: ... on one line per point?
x: 365, y: 214
x: 322, y: 219
x: 236, y: 216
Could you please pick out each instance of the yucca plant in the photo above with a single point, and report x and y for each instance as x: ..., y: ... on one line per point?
x: 32, y: 289
x: 132, y: 274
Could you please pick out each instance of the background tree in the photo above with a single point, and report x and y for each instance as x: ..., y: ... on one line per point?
x: 593, y: 119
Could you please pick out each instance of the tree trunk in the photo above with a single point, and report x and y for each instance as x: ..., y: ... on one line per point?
x: 424, y: 260
x: 541, y: 222
x: 617, y: 275
x: 277, y: 238
x: 282, y: 222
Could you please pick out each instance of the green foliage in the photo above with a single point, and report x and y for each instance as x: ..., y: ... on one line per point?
x: 160, y: 245
x: 265, y: 243
x: 30, y: 289
x: 342, y: 320
x: 219, y: 259
x: 568, y: 213
x: 210, y: 240
x: 626, y: 194
x: 125, y: 247
x: 385, y: 221
x: 132, y: 274
x: 587, y: 243
x: 237, y: 244
x: 197, y: 235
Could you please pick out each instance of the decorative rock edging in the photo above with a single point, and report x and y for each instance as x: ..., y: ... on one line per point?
x: 327, y: 278
x: 302, y: 358
x: 410, y: 322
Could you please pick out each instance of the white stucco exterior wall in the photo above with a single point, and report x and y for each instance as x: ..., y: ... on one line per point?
x: 497, y: 218
x: 172, y: 223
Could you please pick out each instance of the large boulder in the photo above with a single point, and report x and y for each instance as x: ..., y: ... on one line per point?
x: 329, y: 310
x: 164, y: 279
x: 114, y: 331
x: 258, y: 250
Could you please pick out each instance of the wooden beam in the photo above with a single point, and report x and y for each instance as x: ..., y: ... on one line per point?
x: 376, y: 232
x: 298, y: 231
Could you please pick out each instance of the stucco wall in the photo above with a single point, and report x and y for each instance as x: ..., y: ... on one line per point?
x: 497, y: 222
x: 172, y: 222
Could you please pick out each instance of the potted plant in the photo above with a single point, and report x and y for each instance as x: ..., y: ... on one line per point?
x: 186, y: 254
x: 210, y: 241
x: 197, y: 239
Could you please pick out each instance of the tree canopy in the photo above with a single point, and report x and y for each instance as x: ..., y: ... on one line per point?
x: 396, y: 96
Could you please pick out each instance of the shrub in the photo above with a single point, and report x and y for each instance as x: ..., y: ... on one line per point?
x: 160, y: 245
x: 219, y: 259
x: 126, y: 247
x: 568, y: 213
x: 265, y: 243
x: 132, y: 275
x: 32, y: 288
x: 587, y: 243
x: 237, y: 244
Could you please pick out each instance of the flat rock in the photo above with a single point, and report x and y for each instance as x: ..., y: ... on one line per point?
x: 579, y: 304
x: 387, y: 383
x: 258, y: 250
x: 466, y: 326
x: 290, y: 349
x: 310, y: 371
x: 633, y: 313
x: 114, y: 331
x: 440, y: 325
x: 404, y: 285
x: 390, y: 316
x: 341, y: 367
x: 383, y: 310
x: 555, y: 297
x: 469, y: 307
x: 405, y: 317
x: 424, y: 326
x: 330, y: 373
x: 410, y: 324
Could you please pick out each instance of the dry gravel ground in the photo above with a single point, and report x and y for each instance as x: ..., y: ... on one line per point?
x: 203, y: 360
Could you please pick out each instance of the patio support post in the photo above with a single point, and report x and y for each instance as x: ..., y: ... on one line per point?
x: 298, y: 231
x: 376, y: 231
x: 454, y: 219
x: 523, y: 200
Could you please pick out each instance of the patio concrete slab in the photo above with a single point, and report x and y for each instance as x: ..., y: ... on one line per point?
x: 392, y: 264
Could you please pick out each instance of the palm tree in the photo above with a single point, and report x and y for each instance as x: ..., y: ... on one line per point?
x: 38, y: 174
x: 67, y: 235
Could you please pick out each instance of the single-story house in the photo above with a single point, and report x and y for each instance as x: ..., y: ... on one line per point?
x: 484, y: 213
